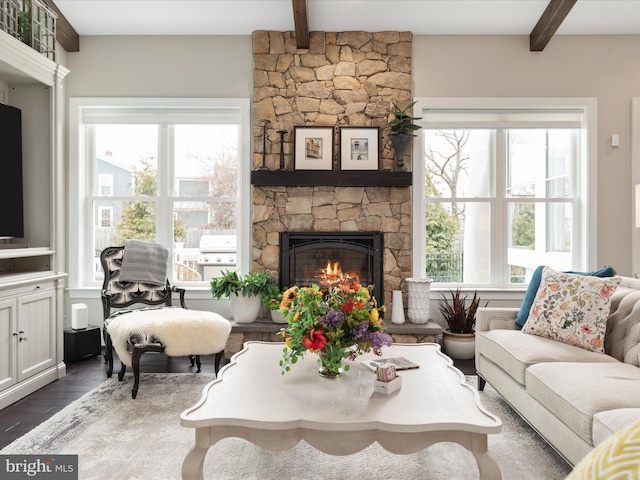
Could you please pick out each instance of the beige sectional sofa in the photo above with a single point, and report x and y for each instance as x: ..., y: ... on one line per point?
x: 573, y: 397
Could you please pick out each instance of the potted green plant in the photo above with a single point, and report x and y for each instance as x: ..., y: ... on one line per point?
x: 244, y: 292
x: 402, y: 131
x: 459, y: 338
x: 273, y: 301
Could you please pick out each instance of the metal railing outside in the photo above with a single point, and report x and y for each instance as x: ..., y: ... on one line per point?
x: 445, y: 267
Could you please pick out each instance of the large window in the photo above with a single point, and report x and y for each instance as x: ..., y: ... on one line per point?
x: 505, y: 190
x: 167, y: 171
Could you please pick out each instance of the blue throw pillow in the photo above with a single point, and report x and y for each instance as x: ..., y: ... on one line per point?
x: 534, y: 283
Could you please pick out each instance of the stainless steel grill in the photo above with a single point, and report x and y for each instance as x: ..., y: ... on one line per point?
x: 217, y: 253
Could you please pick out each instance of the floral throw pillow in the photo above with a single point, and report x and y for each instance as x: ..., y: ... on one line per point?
x: 572, y: 309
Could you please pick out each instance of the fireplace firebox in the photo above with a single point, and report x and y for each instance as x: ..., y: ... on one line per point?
x: 325, y: 258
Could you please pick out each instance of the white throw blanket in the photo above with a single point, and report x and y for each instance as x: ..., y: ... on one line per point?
x: 182, y: 332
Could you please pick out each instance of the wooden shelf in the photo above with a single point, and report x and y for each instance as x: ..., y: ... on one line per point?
x: 331, y: 178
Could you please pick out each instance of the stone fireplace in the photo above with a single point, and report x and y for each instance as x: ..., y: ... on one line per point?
x: 343, y: 79
x: 330, y: 257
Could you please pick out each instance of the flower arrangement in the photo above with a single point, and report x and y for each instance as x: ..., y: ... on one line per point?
x: 343, y: 323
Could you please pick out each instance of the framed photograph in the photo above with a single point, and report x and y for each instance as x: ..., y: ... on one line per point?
x: 359, y: 148
x: 313, y: 148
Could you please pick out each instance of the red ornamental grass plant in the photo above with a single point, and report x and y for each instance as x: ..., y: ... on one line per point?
x: 459, y: 317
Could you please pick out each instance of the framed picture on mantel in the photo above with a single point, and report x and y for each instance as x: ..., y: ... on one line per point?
x: 313, y: 148
x: 359, y: 148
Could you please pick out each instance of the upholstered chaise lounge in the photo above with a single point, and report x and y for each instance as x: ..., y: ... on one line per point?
x: 159, y: 327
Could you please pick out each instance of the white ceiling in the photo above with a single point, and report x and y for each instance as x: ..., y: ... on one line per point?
x: 435, y: 17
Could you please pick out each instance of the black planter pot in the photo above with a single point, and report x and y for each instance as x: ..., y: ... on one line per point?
x: 401, y: 142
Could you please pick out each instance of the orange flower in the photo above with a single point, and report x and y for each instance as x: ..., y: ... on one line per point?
x: 287, y: 297
x: 596, y: 342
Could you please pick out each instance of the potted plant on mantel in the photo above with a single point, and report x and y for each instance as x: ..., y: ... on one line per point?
x: 402, y: 132
x: 459, y: 338
x: 244, y: 292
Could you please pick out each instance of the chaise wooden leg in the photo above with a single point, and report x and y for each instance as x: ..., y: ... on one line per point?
x: 123, y: 368
x: 192, y: 359
x: 218, y: 361
x: 198, y: 363
x: 481, y: 383
x: 135, y: 364
x: 109, y: 354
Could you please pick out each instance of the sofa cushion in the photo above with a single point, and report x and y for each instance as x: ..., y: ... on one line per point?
x: 534, y: 283
x: 514, y: 351
x: 575, y: 392
x: 617, y: 457
x: 609, y: 422
x: 572, y: 309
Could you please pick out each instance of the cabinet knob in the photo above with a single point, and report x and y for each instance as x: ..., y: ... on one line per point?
x: 22, y: 339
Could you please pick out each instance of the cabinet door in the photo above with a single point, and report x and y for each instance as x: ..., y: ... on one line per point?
x: 8, y: 343
x: 36, y: 339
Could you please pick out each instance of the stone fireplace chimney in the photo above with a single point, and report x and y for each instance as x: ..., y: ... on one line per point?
x: 343, y: 79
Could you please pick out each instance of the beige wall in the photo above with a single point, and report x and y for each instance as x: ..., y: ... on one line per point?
x: 605, y: 67
x: 151, y: 66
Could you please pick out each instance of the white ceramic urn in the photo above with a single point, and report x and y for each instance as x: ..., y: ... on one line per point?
x: 419, y: 297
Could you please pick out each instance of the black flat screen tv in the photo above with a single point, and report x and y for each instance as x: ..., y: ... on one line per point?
x: 11, y: 200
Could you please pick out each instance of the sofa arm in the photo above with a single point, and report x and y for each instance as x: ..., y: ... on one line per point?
x: 496, y: 318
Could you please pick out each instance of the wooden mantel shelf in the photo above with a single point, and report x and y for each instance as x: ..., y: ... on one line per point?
x: 331, y: 178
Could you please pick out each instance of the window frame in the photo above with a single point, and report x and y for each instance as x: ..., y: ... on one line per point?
x: 585, y: 239
x: 81, y: 181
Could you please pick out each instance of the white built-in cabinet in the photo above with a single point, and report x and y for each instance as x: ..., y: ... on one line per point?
x: 32, y: 277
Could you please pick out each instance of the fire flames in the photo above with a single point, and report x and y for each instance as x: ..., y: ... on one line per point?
x: 332, y: 275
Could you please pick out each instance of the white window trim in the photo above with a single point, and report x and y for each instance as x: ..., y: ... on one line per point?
x: 80, y: 183
x: 585, y: 252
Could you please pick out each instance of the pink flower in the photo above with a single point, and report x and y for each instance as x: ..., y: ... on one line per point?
x: 606, y: 291
x: 586, y: 328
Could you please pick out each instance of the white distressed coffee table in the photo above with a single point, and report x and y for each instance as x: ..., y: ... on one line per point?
x: 253, y: 401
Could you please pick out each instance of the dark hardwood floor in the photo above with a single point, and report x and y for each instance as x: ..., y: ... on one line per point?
x: 82, y: 377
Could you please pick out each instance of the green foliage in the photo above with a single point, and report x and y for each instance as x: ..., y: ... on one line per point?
x: 24, y: 24
x: 138, y: 219
x: 251, y: 285
x: 260, y: 283
x: 441, y: 231
x: 273, y: 300
x: 403, y: 121
x: 459, y: 317
x: 523, y: 226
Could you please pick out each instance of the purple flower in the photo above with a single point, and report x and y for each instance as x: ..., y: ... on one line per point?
x: 333, y: 319
x: 359, y: 332
x: 379, y: 340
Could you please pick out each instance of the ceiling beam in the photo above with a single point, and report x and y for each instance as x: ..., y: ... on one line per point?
x: 301, y: 23
x: 66, y: 35
x: 552, y: 17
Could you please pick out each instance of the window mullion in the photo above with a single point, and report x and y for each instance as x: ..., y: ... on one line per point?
x: 499, y: 211
x: 165, y: 174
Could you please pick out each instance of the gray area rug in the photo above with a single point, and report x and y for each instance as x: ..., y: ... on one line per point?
x: 117, y: 437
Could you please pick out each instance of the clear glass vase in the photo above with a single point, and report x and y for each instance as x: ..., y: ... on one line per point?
x: 330, y: 362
